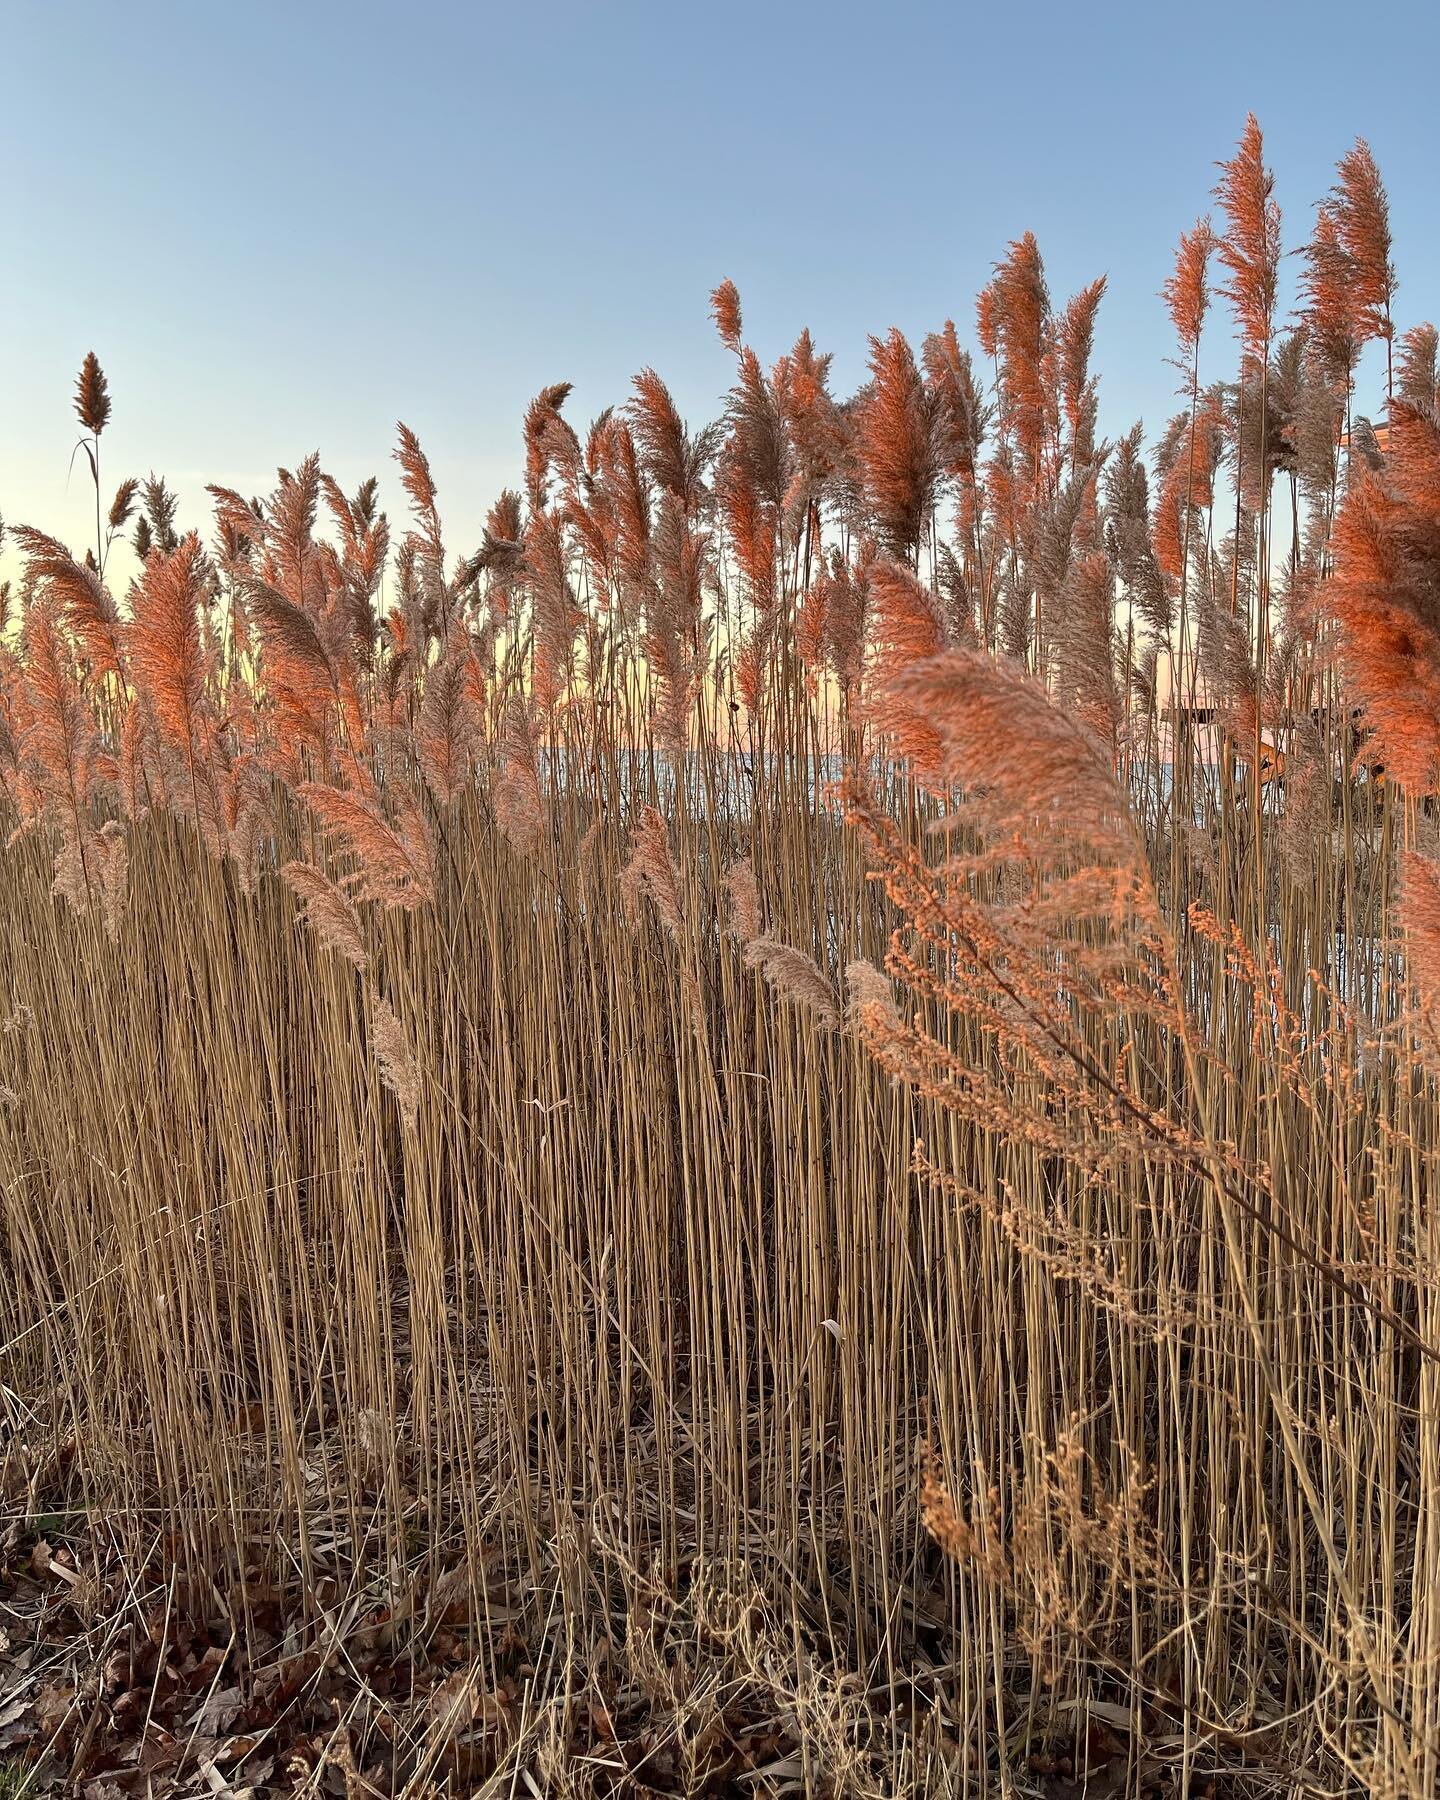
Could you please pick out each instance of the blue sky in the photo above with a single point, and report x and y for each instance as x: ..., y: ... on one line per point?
x: 284, y: 227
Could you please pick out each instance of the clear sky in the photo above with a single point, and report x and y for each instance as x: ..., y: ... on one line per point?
x: 283, y: 227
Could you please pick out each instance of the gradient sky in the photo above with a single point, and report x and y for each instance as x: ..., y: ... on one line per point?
x: 283, y: 227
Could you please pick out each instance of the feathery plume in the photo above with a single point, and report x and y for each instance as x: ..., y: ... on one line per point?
x: 292, y: 562
x: 86, y: 603
x: 1225, y: 657
x: 289, y: 637
x: 725, y: 310
x: 394, y: 863
x: 1085, y: 665
x: 446, y: 731
x: 1330, y: 300
x: 161, y: 508
x: 1417, y: 370
x: 542, y: 417
x: 59, y: 755
x: 557, y: 617
x: 1361, y: 211
x: 123, y: 505
x: 395, y: 1057
x: 1075, y: 338
x: 1382, y: 595
x: 795, y: 976
x: 961, y: 414
x: 1001, y: 734
x: 1143, y: 561
x: 1015, y: 318
x: 744, y: 897
x: 1250, y: 245
x: 869, y: 1000
x: 1186, y: 293
x: 92, y: 395
x: 660, y: 434
x: 830, y: 625
x: 77, y: 874
x: 308, y: 684
x: 896, y: 446
x: 517, y: 799
x: 236, y: 515
x: 165, y: 643
x: 651, y: 872
x: 328, y: 912
x: 112, y: 847
x: 419, y: 483
x: 906, y: 621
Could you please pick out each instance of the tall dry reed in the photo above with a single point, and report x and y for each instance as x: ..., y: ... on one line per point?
x: 787, y: 1101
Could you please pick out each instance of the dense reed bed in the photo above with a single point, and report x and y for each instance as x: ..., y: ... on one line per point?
x: 775, y: 1134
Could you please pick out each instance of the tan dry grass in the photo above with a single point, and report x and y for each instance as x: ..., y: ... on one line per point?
x: 1037, y: 1322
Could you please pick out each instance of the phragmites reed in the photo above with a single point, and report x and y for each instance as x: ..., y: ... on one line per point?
x: 536, y: 1071
x: 725, y: 310
x: 743, y: 921
x: 651, y: 874
x: 1382, y: 596
x: 396, y: 1059
x: 796, y: 977
x: 392, y: 862
x: 1014, y: 326
x: 519, y: 802
x: 895, y: 444
x: 869, y: 999
x: 1361, y: 210
x: 166, y: 651
x: 1074, y: 339
x: 113, y: 854
x: 446, y: 732
x: 1330, y: 297
x: 89, y: 608
x: 329, y: 912
x: 92, y: 395
x: 419, y: 484
x: 1186, y: 291
x: 1249, y: 247
x: 905, y: 618
x: 1035, y: 770
x: 1419, y: 365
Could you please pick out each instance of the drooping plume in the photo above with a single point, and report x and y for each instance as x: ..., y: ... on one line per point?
x: 86, y: 604
x: 329, y: 912
x: 393, y: 863
x: 795, y: 977
x: 651, y: 874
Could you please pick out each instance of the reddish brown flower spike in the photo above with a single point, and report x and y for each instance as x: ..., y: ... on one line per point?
x: 1250, y: 247
x: 1362, y: 220
x: 92, y: 395
x: 1185, y: 293
x: 725, y: 310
